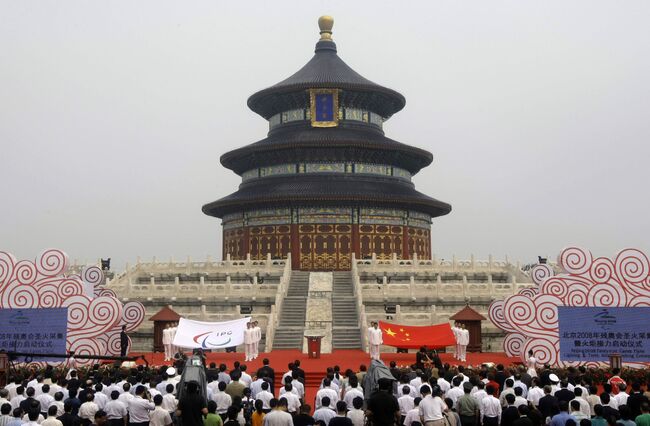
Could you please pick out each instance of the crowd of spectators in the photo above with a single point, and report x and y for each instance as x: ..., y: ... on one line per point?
x: 443, y: 396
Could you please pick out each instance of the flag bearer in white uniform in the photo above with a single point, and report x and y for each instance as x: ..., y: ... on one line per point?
x: 248, y: 341
x: 257, y: 333
x: 463, y: 338
x: 167, y: 342
x: 374, y: 339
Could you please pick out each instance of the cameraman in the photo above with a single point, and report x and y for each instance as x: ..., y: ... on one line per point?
x: 139, y: 407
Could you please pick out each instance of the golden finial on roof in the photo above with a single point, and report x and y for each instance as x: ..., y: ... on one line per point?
x: 325, y: 23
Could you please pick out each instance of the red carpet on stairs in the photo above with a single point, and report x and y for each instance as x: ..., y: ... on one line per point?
x: 315, y: 368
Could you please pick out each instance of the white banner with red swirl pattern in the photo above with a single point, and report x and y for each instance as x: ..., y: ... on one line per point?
x: 530, y: 317
x: 94, y: 323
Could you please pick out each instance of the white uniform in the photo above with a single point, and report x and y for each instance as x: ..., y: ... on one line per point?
x: 167, y: 343
x: 456, y: 331
x: 257, y: 336
x: 248, y: 343
x: 463, y: 340
x: 532, y: 363
x: 374, y: 341
x: 172, y: 334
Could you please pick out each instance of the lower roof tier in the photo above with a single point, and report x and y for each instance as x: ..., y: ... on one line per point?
x: 344, y: 143
x: 330, y: 190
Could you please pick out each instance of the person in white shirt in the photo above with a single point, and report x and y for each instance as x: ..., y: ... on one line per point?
x: 432, y: 406
x: 405, y: 402
x: 463, y: 341
x: 278, y: 415
x: 293, y: 402
x: 88, y: 409
x: 256, y: 386
x: 490, y: 409
x: 11, y: 390
x: 414, y: 413
x: 159, y: 416
x: 167, y: 342
x: 374, y: 340
x: 257, y: 334
x: 58, y: 402
x: 170, y: 403
x: 20, y: 397
x: 248, y: 341
x: 480, y: 393
x: 265, y: 396
x: 456, y: 330
x: 519, y: 398
x: 222, y: 399
x: 584, y: 405
x: 352, y: 392
x: 100, y: 398
x: 457, y: 391
x: 620, y: 397
x: 245, y: 378
x: 326, y: 391
x: 126, y: 396
x: 139, y: 407
x: 32, y: 419
x: 51, y: 418
x: 535, y: 393
x: 324, y: 413
x: 45, y: 398
x: 444, y: 385
x: 116, y: 410
x: 297, y: 385
x: 356, y: 414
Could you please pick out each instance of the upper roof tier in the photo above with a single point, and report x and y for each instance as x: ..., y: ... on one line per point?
x: 326, y: 70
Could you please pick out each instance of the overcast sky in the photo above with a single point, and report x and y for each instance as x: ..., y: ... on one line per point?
x: 113, y: 115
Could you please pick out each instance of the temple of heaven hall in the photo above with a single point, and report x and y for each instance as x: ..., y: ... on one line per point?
x: 326, y: 183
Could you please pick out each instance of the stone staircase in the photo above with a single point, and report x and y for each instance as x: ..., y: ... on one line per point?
x: 289, y: 334
x: 345, y: 319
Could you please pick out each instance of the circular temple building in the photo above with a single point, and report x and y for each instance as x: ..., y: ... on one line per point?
x: 326, y: 182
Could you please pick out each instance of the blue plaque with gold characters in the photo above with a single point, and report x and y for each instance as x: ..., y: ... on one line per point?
x: 324, y: 107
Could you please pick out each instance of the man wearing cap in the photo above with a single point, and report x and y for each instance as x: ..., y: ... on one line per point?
x: 555, y: 380
x: 432, y: 406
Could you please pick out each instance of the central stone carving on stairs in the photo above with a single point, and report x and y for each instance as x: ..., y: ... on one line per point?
x: 319, y: 303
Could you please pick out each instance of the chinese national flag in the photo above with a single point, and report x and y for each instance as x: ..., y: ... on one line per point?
x: 410, y: 337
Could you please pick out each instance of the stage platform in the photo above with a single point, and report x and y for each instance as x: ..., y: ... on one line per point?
x: 315, y: 368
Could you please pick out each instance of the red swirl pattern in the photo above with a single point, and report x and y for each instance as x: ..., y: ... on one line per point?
x: 541, y: 272
x: 94, y: 324
x: 601, y: 270
x: 7, y: 263
x: 514, y: 344
x: 133, y: 314
x: 622, y: 282
x: 92, y: 275
x: 575, y: 260
x: 497, y: 317
x: 51, y: 262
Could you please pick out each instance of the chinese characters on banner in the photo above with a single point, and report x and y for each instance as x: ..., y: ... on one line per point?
x: 592, y: 334
x: 34, y: 330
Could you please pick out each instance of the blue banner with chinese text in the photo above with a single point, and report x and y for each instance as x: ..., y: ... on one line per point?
x: 593, y: 334
x: 41, y: 330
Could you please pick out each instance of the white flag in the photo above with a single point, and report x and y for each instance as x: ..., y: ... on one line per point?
x: 210, y: 335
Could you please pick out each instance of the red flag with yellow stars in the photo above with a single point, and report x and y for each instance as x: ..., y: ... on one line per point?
x: 410, y: 336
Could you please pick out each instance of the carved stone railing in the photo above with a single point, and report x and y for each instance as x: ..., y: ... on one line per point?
x: 196, y: 279
x: 280, y: 295
x: 418, y: 266
x: 361, y: 310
